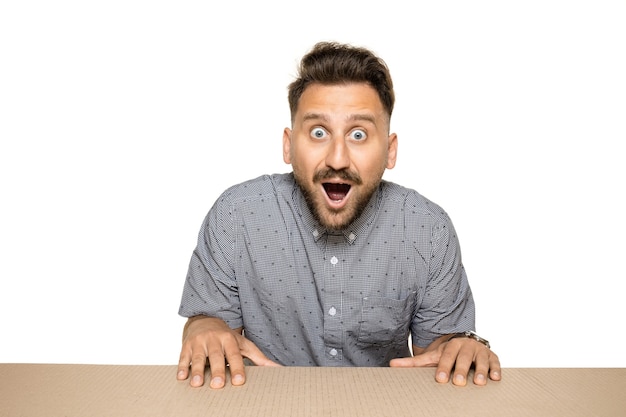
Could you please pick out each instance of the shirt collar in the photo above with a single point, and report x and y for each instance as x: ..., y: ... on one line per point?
x: 353, y: 231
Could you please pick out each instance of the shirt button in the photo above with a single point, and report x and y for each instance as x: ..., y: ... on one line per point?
x: 333, y: 352
x: 332, y: 311
x: 334, y: 260
x: 316, y: 233
x: 352, y: 236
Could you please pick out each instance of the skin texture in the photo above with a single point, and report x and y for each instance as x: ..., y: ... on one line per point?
x: 339, y: 129
x: 210, y: 339
x: 454, y: 358
x: 340, y: 135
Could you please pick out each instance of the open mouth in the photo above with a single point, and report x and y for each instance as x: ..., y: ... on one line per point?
x: 336, y: 192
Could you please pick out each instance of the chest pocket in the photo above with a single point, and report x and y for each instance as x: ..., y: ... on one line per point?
x: 386, y: 321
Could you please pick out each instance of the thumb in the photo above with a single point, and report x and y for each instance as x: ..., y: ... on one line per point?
x: 264, y: 361
x: 429, y: 358
x: 252, y: 352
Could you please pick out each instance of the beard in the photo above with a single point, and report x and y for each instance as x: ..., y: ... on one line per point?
x: 336, y: 219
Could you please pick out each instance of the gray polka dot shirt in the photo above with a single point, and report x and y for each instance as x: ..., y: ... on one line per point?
x: 307, y: 296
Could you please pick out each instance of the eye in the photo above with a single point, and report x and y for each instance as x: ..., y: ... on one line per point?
x: 318, y: 133
x: 358, y: 134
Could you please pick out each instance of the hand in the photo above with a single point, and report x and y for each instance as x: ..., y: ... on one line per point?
x: 460, y: 353
x: 209, y: 337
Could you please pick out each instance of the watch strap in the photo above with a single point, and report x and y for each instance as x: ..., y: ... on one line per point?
x: 472, y: 335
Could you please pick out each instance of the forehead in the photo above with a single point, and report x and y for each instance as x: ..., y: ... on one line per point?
x: 342, y: 100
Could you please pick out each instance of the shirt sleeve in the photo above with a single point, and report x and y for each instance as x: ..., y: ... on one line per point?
x: 447, y: 305
x: 211, y: 286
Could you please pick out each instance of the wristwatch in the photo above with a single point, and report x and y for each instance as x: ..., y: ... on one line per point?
x: 471, y: 335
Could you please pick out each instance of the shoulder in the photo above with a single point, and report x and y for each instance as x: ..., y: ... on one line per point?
x: 260, y: 187
x: 413, y: 203
x: 242, y: 196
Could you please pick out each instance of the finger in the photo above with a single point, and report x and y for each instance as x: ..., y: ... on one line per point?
x: 466, y: 356
x: 232, y: 354
x: 449, y: 353
x: 464, y: 360
x: 183, y: 365
x: 402, y: 363
x: 263, y: 360
x: 252, y: 352
x: 430, y: 358
x: 495, y: 372
x: 198, y: 362
x: 481, y: 366
x: 217, y: 364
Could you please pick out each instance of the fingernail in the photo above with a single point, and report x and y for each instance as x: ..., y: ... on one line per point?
x: 237, y: 379
x: 459, y: 378
x: 441, y: 376
x: 196, y: 380
x: 480, y: 378
x: 181, y: 374
x: 217, y: 382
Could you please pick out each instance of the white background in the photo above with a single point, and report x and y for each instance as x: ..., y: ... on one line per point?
x: 122, y: 121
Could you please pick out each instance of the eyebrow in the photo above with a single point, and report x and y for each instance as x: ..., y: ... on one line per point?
x: 314, y: 116
x: 363, y: 117
x: 353, y: 117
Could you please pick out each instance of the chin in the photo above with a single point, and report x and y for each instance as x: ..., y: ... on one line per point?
x: 336, y: 221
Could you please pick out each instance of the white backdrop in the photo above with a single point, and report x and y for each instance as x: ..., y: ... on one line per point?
x: 122, y: 121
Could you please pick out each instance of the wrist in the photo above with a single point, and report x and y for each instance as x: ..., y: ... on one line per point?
x: 472, y: 335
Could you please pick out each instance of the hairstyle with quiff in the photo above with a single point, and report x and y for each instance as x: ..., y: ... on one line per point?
x: 332, y: 63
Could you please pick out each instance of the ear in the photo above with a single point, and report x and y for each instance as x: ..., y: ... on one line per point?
x: 287, y: 145
x: 392, y: 150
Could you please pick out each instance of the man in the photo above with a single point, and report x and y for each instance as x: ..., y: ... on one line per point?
x: 330, y: 265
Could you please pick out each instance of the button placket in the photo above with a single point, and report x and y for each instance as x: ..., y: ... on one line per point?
x: 333, y: 285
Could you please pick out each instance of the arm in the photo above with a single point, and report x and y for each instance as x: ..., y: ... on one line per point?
x: 211, y: 301
x: 447, y: 308
x: 448, y: 352
x: 210, y: 337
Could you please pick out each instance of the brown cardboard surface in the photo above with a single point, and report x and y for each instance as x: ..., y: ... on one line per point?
x: 108, y: 390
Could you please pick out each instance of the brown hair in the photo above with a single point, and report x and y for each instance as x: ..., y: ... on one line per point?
x: 336, y: 63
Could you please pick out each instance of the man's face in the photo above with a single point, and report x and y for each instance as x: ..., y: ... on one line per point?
x: 339, y: 147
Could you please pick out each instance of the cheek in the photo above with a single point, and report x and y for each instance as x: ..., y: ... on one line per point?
x: 371, y: 165
x: 305, y: 162
x: 301, y: 168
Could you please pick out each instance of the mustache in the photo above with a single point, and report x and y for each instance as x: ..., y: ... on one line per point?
x: 343, y: 174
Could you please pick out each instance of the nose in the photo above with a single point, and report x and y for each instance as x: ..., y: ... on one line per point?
x: 338, y: 156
